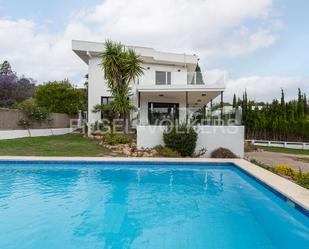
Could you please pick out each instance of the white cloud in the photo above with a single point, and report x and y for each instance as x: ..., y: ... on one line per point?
x: 205, y: 27
x: 265, y: 88
x: 200, y: 26
x: 39, y: 55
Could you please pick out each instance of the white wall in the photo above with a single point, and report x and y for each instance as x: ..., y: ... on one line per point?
x: 97, y: 87
x: 177, y: 78
x: 209, y: 137
x: 213, y: 137
x: 11, y: 134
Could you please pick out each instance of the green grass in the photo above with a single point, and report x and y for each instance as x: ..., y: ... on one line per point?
x: 65, y: 145
x: 285, y: 150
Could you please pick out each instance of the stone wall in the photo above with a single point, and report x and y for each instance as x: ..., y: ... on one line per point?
x: 9, y: 119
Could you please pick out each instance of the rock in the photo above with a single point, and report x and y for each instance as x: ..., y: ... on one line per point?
x: 126, y: 151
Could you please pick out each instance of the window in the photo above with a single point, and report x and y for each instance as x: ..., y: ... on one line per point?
x: 105, y: 100
x: 162, y: 113
x: 163, y: 78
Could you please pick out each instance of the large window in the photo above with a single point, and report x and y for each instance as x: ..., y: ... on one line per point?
x: 106, y: 99
x: 163, y: 78
x: 162, y: 113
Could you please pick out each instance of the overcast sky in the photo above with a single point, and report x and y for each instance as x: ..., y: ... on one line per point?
x: 262, y: 45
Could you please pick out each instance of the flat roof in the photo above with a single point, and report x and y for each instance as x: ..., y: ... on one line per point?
x: 86, y: 49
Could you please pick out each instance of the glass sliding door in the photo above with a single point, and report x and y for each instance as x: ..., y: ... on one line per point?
x: 162, y: 113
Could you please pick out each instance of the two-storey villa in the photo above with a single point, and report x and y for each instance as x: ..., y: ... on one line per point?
x: 170, y: 88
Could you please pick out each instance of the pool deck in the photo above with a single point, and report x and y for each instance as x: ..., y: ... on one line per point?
x: 290, y: 190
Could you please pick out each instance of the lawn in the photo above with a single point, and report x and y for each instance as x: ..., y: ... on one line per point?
x: 65, y: 145
x: 285, y: 150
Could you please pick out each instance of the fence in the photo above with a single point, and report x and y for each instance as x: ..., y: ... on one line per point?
x: 281, y: 144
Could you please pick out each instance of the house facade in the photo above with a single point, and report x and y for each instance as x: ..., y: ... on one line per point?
x: 170, y: 89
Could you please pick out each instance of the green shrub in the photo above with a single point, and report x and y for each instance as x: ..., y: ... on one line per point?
x: 285, y: 170
x: 222, y: 153
x: 113, y: 139
x: 181, y: 138
x: 61, y: 97
x: 302, y: 179
x: 265, y: 166
x: 166, y: 152
x: 33, y: 112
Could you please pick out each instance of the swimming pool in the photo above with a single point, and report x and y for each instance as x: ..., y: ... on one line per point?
x: 142, y: 205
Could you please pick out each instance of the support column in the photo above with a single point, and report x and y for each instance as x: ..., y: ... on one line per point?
x: 211, y: 112
x: 187, y: 106
x: 204, y: 115
x: 139, y: 108
x: 221, y: 105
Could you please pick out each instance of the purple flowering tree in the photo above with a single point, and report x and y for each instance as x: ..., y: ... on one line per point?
x: 13, y: 90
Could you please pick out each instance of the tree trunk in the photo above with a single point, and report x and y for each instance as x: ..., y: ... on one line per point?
x: 125, y: 123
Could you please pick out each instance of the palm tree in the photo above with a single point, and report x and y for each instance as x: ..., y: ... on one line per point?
x: 121, y: 66
x: 122, y: 103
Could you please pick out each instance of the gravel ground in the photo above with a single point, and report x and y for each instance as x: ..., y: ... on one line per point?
x: 274, y: 158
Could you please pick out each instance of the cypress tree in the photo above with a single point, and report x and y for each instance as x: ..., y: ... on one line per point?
x: 306, y: 110
x: 279, y: 120
x: 234, y: 101
x: 199, y: 75
x: 282, y: 97
x: 300, y: 105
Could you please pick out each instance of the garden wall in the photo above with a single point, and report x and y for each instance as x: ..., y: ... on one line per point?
x: 9, y: 119
x: 209, y: 137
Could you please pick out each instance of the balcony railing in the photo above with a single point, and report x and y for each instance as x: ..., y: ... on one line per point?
x: 207, y: 79
x: 195, y: 78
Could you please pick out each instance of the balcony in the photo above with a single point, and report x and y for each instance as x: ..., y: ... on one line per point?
x: 181, y: 80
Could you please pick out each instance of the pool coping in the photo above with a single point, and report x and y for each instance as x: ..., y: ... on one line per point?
x: 293, y: 193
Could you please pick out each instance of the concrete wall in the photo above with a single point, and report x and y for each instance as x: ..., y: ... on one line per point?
x: 9, y: 119
x: 11, y: 134
x: 209, y: 137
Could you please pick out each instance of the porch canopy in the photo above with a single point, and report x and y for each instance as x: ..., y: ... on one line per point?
x: 192, y: 96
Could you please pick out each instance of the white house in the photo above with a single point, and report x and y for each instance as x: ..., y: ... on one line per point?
x: 169, y: 89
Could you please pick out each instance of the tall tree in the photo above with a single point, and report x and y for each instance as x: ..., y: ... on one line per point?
x: 13, y: 89
x: 306, y: 110
x: 199, y: 75
x: 234, y: 101
x: 279, y: 120
x: 5, y: 68
x: 121, y: 66
x: 282, y: 98
x: 300, y: 105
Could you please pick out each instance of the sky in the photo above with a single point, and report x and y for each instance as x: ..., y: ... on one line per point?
x: 261, y: 45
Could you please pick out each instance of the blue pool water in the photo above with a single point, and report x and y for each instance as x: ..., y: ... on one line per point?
x: 144, y: 206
